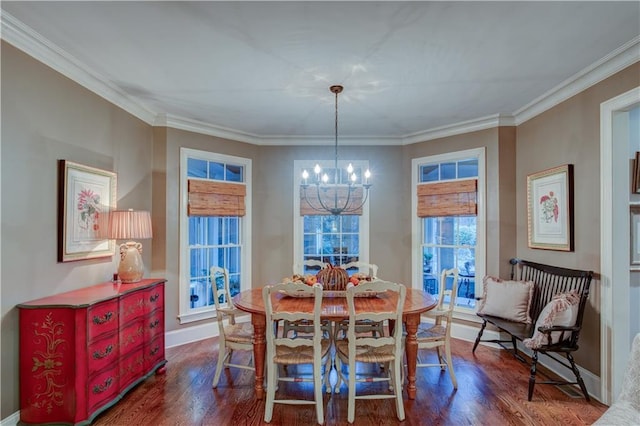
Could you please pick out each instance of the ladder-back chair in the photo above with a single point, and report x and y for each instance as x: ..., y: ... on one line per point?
x: 232, y: 336
x: 284, y: 350
x: 387, y: 350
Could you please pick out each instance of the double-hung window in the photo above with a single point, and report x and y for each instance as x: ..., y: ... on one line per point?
x: 214, y: 228
x: 321, y: 236
x: 448, y: 225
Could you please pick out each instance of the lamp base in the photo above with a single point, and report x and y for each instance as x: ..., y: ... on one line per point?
x: 131, y: 268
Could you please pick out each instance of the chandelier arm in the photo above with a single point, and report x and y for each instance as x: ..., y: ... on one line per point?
x: 325, y: 207
x: 307, y: 199
x: 358, y: 207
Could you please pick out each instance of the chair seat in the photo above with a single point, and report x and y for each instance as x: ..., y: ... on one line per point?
x: 239, y: 333
x: 368, y: 354
x: 299, y: 354
x: 435, y: 332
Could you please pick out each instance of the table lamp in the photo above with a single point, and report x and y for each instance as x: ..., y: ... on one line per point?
x: 130, y: 225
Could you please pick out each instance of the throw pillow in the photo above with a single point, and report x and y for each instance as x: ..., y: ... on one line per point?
x: 507, y: 299
x: 562, y: 311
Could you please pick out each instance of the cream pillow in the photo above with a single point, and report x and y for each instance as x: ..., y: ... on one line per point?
x: 563, y: 311
x: 507, y: 299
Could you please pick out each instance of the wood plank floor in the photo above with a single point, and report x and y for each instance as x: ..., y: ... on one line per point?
x: 492, y: 390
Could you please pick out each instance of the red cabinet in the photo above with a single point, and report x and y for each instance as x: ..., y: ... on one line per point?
x: 81, y: 351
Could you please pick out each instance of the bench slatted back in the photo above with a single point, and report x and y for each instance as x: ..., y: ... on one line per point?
x: 552, y: 280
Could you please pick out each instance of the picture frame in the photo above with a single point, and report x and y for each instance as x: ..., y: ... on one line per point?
x: 86, y: 195
x: 635, y: 238
x: 550, y: 209
x: 635, y: 185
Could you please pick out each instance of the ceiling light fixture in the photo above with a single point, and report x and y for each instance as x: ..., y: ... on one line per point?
x: 340, y: 196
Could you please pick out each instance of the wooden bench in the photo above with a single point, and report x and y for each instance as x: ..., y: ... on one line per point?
x: 548, y: 281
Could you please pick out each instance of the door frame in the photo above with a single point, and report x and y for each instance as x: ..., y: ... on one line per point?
x: 614, y: 258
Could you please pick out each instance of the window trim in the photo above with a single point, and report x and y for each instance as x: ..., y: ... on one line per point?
x: 416, y: 222
x: 185, y: 313
x: 298, y: 219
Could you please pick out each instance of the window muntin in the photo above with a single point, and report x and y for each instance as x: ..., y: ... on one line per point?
x: 331, y: 239
x: 211, y: 240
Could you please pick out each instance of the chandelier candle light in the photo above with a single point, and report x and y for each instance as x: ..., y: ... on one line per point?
x: 129, y: 225
x: 335, y: 205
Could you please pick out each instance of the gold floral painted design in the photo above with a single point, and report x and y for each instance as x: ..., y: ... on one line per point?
x: 47, y: 364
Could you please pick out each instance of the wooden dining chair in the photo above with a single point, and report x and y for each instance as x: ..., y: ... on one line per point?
x: 303, y: 326
x: 385, y: 350
x: 285, y: 350
x: 438, y: 334
x: 375, y: 328
x: 232, y: 335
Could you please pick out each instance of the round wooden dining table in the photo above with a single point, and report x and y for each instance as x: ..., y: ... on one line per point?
x: 334, y: 308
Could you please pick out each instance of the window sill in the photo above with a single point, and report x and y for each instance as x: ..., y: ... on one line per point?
x: 197, y: 316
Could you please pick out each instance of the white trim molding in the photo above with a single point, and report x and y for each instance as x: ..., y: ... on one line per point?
x: 11, y: 420
x: 614, y: 325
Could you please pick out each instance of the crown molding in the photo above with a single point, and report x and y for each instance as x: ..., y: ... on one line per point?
x: 29, y: 41
x: 482, y: 123
x: 196, y: 126
x: 619, y: 59
x: 32, y: 43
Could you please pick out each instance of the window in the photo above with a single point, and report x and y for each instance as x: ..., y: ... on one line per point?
x: 334, y: 239
x: 448, y: 227
x: 214, y: 222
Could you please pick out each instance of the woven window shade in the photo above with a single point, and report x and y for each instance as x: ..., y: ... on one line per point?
x: 329, y: 200
x: 448, y: 198
x: 207, y: 198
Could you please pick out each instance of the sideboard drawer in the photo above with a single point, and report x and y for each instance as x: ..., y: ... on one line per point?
x: 154, y: 352
x: 154, y: 298
x: 154, y: 324
x: 102, y: 318
x: 131, y: 367
x: 103, y: 353
x: 102, y: 387
x: 132, y: 336
x: 132, y: 306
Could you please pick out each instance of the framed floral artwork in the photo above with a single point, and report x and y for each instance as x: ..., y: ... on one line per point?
x: 86, y: 195
x: 550, y: 208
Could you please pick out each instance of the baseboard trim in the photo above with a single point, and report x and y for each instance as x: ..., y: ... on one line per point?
x: 11, y: 420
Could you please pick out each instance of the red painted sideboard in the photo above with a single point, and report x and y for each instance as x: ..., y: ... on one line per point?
x: 81, y: 351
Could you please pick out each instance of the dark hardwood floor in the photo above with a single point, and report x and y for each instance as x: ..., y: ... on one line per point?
x: 492, y: 390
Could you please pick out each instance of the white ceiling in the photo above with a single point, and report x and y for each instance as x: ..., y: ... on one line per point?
x: 260, y: 71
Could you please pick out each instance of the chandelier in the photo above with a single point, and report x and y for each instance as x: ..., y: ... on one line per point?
x: 336, y: 197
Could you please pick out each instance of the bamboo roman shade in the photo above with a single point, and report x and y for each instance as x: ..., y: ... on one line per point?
x: 328, y: 198
x: 452, y: 198
x: 209, y: 198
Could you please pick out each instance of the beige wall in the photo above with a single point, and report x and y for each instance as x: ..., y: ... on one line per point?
x: 570, y: 134
x: 46, y: 117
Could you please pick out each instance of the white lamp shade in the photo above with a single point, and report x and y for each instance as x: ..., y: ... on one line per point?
x: 130, y: 224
